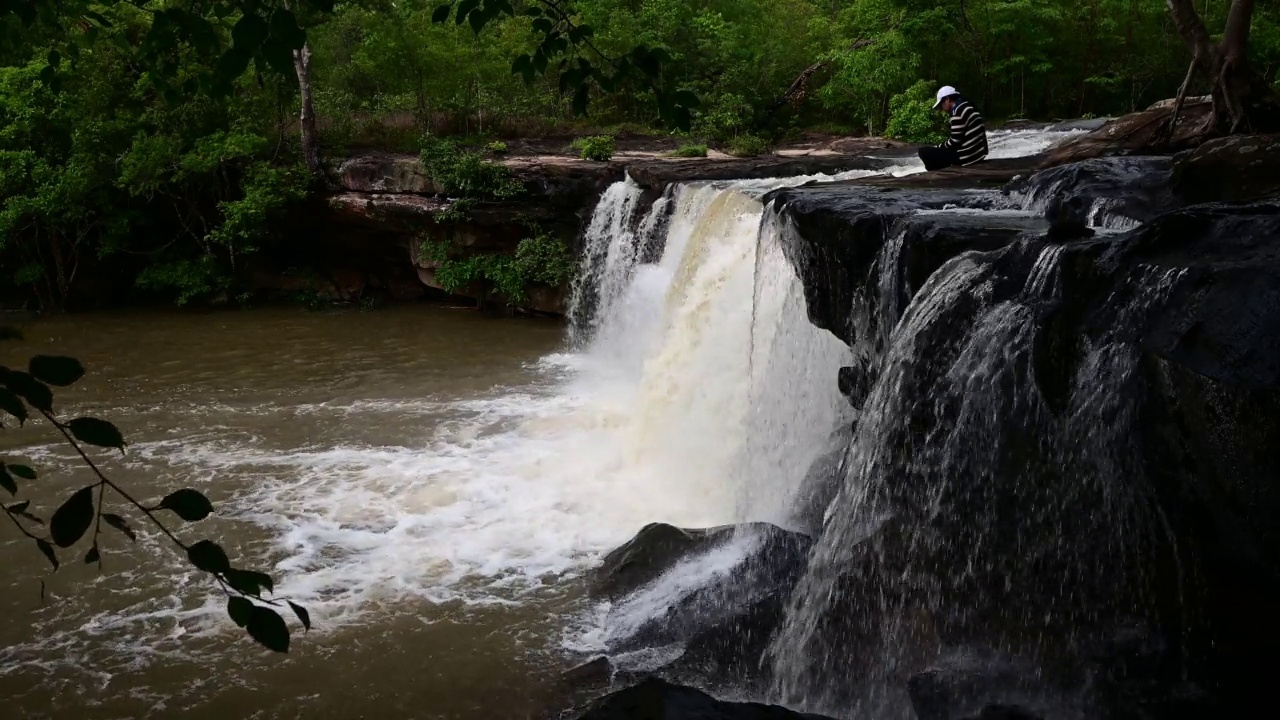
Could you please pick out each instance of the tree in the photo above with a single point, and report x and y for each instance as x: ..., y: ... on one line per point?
x: 1242, y: 98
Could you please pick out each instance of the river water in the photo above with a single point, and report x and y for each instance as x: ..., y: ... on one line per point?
x: 431, y: 484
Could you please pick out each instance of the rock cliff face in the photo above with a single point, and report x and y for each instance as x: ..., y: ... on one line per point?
x: 1067, y: 443
x: 389, y: 202
x: 1058, y: 497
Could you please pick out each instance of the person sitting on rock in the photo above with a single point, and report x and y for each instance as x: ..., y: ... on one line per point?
x: 967, y: 142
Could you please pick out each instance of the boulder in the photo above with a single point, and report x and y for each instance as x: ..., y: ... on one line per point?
x: 655, y: 699
x: 384, y: 173
x: 1114, y: 191
x: 717, y: 594
x: 1140, y: 133
x: 1232, y: 169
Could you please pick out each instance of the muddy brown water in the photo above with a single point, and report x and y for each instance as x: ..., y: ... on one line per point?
x: 320, y: 438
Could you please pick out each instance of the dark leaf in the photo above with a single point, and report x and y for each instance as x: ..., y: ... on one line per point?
x: 280, y: 58
x: 209, y: 556
x: 249, y: 32
x: 303, y: 616
x: 502, y: 7
x: 92, y: 556
x: 13, y: 405
x: 581, y: 98
x: 249, y: 582
x: 660, y: 54
x: 540, y: 61
x: 22, y: 471
x: 6, y: 481
x: 478, y: 19
x: 688, y: 98
x: 190, y: 505
x: 96, y: 432
x: 321, y: 5
x: 240, y: 609
x: 232, y: 64
x: 682, y: 120
x: 36, y: 393
x: 464, y: 9
x: 47, y: 549
x: 267, y: 627
x: 522, y: 65
x: 48, y: 75
x: 441, y: 13
x: 70, y: 521
x: 543, y: 25
x: 285, y: 30
x: 533, y: 11
x: 120, y: 524
x: 98, y: 18
x: 54, y: 58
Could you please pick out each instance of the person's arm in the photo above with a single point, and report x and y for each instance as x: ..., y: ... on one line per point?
x: 956, y: 136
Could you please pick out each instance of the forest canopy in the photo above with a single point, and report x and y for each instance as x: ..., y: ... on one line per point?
x: 161, y: 141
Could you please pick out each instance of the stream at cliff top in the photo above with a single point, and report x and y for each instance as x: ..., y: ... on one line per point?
x: 429, y: 483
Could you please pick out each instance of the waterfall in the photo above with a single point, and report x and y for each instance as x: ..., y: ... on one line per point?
x: 967, y: 471
x: 724, y: 378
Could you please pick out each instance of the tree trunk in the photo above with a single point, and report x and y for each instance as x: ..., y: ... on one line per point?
x: 1242, y: 100
x: 307, y: 119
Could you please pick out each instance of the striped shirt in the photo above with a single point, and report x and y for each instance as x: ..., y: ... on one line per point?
x: 968, y: 134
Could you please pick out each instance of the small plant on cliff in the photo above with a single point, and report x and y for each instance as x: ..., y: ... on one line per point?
x: 598, y: 147
x: 691, y: 151
x: 541, y: 259
x: 747, y: 146
x: 466, y: 174
x: 912, y: 117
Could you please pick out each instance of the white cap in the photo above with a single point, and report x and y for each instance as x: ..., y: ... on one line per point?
x: 944, y: 92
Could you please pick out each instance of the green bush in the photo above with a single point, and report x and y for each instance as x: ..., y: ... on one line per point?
x: 912, y: 117
x: 541, y: 259
x: 466, y: 174
x: 691, y: 151
x: 598, y: 147
x: 497, y: 147
x: 747, y: 146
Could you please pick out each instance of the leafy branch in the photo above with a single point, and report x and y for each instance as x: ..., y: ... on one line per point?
x: 24, y: 391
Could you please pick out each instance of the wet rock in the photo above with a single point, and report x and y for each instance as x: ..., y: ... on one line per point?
x: 717, y: 595
x: 864, y: 248
x: 660, y: 173
x: 1232, y: 169
x: 1140, y: 133
x: 1059, y: 458
x: 593, y: 673
x: 823, y: 479
x: 1115, y: 191
x: 656, y: 699
x: 979, y: 685
x: 1004, y: 712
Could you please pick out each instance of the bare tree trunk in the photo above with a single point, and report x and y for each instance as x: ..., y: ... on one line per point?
x: 307, y: 118
x: 1242, y: 100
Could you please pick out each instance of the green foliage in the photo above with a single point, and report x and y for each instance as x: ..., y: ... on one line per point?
x: 691, y: 151
x: 540, y: 259
x: 497, y: 147
x: 747, y: 146
x: 912, y: 116
x: 466, y: 174
x: 79, y: 519
x: 597, y: 147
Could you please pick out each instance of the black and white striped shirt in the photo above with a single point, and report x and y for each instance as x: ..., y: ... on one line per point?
x: 968, y: 134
